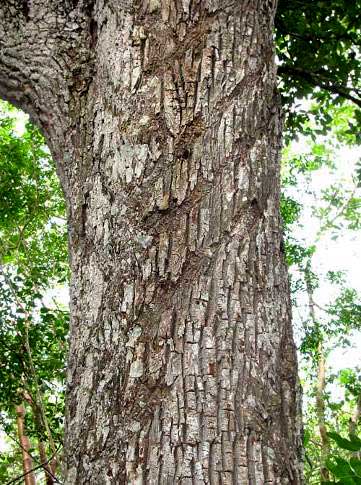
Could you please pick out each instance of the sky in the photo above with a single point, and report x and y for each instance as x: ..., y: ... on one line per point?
x: 341, y: 253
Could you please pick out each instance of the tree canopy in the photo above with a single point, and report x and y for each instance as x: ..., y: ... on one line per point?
x: 318, y: 48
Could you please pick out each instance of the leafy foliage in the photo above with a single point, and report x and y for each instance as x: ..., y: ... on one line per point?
x: 345, y: 471
x: 322, y: 328
x: 318, y: 47
x: 33, y: 263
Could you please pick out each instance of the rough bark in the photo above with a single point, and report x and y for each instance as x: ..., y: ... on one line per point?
x: 165, y: 125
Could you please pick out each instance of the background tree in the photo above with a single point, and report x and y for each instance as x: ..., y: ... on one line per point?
x: 323, y: 326
x: 33, y: 330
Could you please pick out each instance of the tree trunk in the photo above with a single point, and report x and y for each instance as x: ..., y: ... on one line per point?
x: 164, y: 122
x: 355, y: 421
x: 49, y: 468
x: 355, y: 418
x: 42, y: 430
x: 320, y: 384
x: 320, y: 412
x: 29, y: 478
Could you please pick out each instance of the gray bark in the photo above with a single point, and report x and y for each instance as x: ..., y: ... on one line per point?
x: 164, y: 122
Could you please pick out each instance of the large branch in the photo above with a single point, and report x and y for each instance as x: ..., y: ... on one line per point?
x: 321, y: 81
x: 44, y: 50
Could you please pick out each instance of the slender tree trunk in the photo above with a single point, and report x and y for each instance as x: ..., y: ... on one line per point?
x: 320, y: 410
x: 356, y: 415
x: 163, y: 119
x: 41, y: 430
x: 29, y: 478
x: 354, y: 422
x: 320, y: 384
x: 49, y: 468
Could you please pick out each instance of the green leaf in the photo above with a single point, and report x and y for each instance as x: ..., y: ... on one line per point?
x: 341, y: 469
x: 356, y: 465
x: 344, y: 443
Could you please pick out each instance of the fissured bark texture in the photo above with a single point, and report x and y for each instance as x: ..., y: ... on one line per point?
x: 164, y: 122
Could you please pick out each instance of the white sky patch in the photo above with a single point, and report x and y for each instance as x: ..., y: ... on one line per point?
x: 58, y: 295
x: 342, y: 253
x: 21, y: 120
